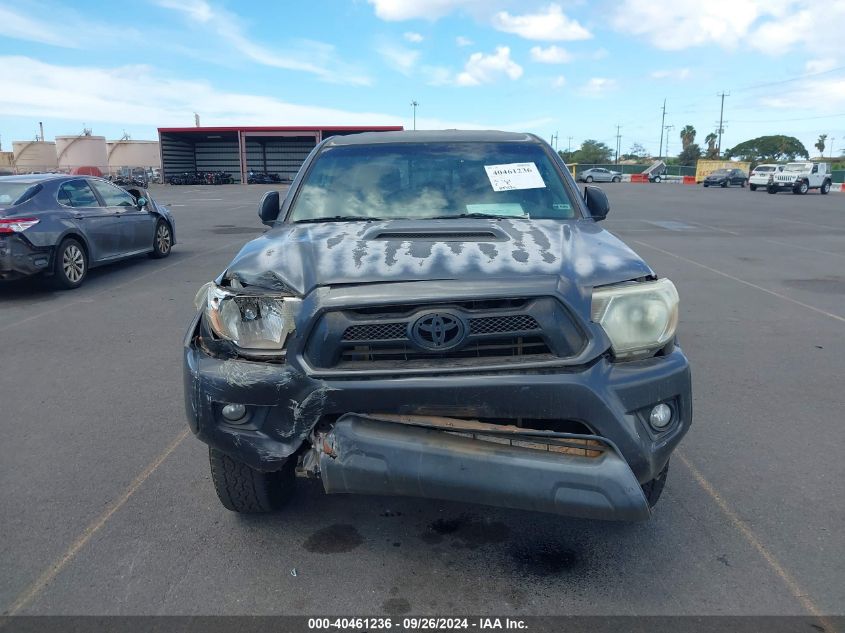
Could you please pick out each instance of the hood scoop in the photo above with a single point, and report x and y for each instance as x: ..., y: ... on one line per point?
x: 437, y: 234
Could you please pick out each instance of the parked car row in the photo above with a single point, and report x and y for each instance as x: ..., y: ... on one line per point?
x: 63, y: 225
x: 798, y: 177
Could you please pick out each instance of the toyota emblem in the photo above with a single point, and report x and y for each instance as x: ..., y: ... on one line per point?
x: 438, y: 331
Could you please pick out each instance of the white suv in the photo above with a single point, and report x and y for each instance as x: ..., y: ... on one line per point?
x: 800, y: 178
x: 760, y: 175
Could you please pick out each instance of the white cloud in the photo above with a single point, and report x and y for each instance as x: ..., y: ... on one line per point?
x: 550, y: 24
x: 773, y: 28
x: 398, y: 10
x: 21, y: 27
x: 551, y: 55
x: 678, y: 73
x: 463, y: 41
x: 598, y: 87
x: 99, y: 96
x: 317, y: 58
x: 820, y: 65
x: 414, y: 38
x: 398, y: 57
x: 810, y: 95
x: 485, y: 69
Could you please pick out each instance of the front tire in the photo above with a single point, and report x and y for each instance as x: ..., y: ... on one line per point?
x: 70, y: 266
x: 245, y: 490
x: 825, y: 188
x: 162, y: 240
x: 801, y: 188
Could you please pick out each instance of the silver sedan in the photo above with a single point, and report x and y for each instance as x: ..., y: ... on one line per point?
x: 599, y: 174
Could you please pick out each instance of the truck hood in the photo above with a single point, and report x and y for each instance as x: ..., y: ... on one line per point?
x: 299, y: 258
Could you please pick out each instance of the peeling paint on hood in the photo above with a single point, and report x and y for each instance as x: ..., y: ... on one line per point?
x: 299, y: 258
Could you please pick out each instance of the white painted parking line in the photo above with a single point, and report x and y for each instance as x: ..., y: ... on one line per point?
x: 771, y: 560
x: 95, y: 526
x: 837, y: 317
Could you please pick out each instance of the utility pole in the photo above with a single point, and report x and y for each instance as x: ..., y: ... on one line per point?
x: 662, y: 121
x: 668, y: 129
x: 618, y: 142
x: 721, y: 119
x: 414, y: 105
x: 832, y: 138
x: 569, y: 145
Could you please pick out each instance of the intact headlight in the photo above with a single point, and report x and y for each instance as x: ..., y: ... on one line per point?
x: 249, y: 320
x: 639, y: 318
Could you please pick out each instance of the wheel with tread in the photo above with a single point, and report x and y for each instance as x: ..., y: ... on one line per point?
x: 162, y: 240
x: 724, y: 185
x: 70, y: 264
x: 657, y: 179
x: 654, y: 488
x: 243, y: 489
x: 825, y: 188
x: 588, y: 179
x: 617, y: 179
x: 752, y: 187
x: 801, y: 189
x: 771, y: 189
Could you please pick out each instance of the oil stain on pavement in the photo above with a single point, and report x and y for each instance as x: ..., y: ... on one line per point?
x: 334, y: 539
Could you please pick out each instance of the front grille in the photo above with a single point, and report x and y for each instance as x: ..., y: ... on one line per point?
x: 497, y: 324
x: 498, y: 332
x: 510, y: 346
x: 375, y: 332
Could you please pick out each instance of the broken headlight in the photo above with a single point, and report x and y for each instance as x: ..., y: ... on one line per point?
x: 250, y: 320
x: 639, y: 318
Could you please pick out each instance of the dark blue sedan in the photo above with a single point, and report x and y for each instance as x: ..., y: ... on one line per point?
x: 63, y: 225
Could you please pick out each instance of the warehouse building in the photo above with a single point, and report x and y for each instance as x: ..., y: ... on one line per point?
x: 239, y: 150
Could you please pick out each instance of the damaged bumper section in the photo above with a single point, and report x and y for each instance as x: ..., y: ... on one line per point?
x: 366, y: 455
x: 18, y: 258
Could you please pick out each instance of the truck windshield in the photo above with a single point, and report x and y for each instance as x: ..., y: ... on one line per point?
x: 432, y: 180
x: 796, y: 167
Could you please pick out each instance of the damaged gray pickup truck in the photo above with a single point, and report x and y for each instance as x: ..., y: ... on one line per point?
x: 439, y: 315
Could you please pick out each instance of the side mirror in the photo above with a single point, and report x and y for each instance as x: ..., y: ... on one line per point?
x: 597, y: 202
x: 268, y: 208
x: 142, y: 202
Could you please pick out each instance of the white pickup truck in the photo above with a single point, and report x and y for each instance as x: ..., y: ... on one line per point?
x: 800, y: 178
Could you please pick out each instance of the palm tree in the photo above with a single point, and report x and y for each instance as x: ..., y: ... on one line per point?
x: 687, y: 136
x: 820, y: 143
x: 710, y: 139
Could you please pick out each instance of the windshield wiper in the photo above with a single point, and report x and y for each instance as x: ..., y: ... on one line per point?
x: 471, y: 215
x: 338, y: 218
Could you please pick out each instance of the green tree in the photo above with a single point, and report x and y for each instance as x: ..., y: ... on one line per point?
x: 687, y: 136
x: 820, y: 143
x: 690, y: 154
x: 593, y: 152
x: 712, y: 151
x: 769, y: 149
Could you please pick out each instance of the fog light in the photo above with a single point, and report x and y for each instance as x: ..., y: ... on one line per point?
x: 235, y: 412
x: 660, y: 416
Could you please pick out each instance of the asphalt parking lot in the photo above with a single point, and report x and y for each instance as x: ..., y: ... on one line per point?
x: 108, y: 506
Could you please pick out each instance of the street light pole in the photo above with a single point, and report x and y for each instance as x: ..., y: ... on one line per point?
x: 414, y: 105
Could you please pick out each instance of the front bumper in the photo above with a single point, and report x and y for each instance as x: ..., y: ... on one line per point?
x: 285, y: 403
x: 18, y: 258
x: 370, y: 456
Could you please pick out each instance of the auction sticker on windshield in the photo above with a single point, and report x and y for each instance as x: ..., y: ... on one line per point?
x: 513, y: 176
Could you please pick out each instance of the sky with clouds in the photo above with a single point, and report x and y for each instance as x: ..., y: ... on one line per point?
x: 572, y: 68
